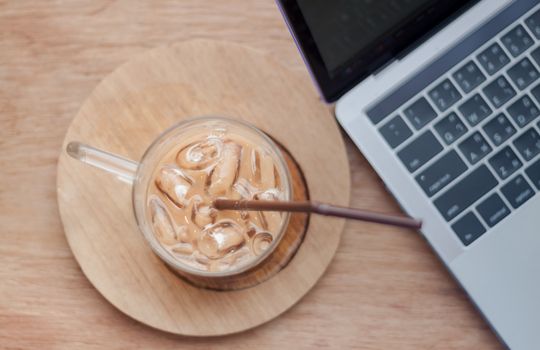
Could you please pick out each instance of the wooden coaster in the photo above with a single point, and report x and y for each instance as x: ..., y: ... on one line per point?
x: 126, y: 112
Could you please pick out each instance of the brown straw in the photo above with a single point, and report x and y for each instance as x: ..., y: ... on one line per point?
x: 318, y: 208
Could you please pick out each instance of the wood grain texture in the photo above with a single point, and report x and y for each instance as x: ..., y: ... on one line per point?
x: 384, y: 289
x: 126, y: 112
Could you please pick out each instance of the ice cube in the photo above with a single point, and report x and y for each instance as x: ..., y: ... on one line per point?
x: 245, y: 188
x: 200, y: 155
x: 255, y: 166
x: 182, y: 234
x: 268, y: 173
x: 226, y: 170
x: 202, y: 214
x: 174, y: 184
x: 221, y: 238
x: 182, y: 249
x: 270, y: 220
x: 234, y: 258
x: 201, y: 259
x: 260, y: 242
x: 272, y: 194
x: 162, y: 223
x: 267, y: 220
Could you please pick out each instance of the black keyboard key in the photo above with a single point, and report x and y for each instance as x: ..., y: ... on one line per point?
x: 474, y: 147
x: 499, y: 91
x: 533, y: 22
x: 536, y: 92
x: 493, y: 59
x: 505, y: 162
x: 420, y: 113
x: 474, y: 109
x: 493, y: 209
x: 517, y: 191
x: 395, y: 131
x: 536, y: 55
x: 468, y: 228
x: 444, y: 95
x: 517, y: 40
x: 499, y: 129
x: 523, y: 111
x: 467, y: 191
x: 528, y: 144
x: 469, y: 76
x: 441, y: 173
x: 523, y: 73
x: 533, y: 172
x: 419, y: 151
x: 450, y: 128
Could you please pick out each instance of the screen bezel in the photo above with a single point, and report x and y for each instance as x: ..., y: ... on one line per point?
x: 393, y: 44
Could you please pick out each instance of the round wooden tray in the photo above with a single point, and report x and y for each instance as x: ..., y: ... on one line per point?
x: 124, y: 114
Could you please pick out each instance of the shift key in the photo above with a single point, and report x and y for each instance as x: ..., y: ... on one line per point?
x: 466, y: 192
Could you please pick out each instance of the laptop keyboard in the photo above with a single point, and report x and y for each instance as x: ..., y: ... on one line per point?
x: 471, y: 138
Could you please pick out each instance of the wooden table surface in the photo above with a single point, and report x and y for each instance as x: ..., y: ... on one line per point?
x: 384, y: 290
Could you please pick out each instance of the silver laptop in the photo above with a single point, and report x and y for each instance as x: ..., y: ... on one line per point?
x: 443, y: 99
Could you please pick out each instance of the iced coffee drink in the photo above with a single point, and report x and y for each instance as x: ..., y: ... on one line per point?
x: 203, y: 166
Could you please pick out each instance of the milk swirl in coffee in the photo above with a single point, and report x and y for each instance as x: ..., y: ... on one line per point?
x: 195, y: 172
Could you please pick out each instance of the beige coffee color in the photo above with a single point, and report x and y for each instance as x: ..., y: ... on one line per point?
x: 128, y: 110
x: 215, y: 162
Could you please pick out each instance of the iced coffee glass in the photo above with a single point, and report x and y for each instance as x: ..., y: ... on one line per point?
x: 182, y: 172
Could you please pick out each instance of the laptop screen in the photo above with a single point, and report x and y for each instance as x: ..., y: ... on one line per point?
x: 344, y: 41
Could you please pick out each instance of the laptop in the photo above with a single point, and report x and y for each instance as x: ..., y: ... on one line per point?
x: 443, y: 99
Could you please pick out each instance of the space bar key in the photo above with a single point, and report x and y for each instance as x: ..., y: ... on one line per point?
x: 465, y: 193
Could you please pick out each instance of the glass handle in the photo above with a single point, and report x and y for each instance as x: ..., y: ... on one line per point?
x: 124, y: 169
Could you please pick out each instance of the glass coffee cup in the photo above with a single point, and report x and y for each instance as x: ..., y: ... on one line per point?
x: 181, y: 172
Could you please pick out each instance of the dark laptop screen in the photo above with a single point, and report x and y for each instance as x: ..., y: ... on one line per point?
x: 343, y: 28
x: 346, y: 40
